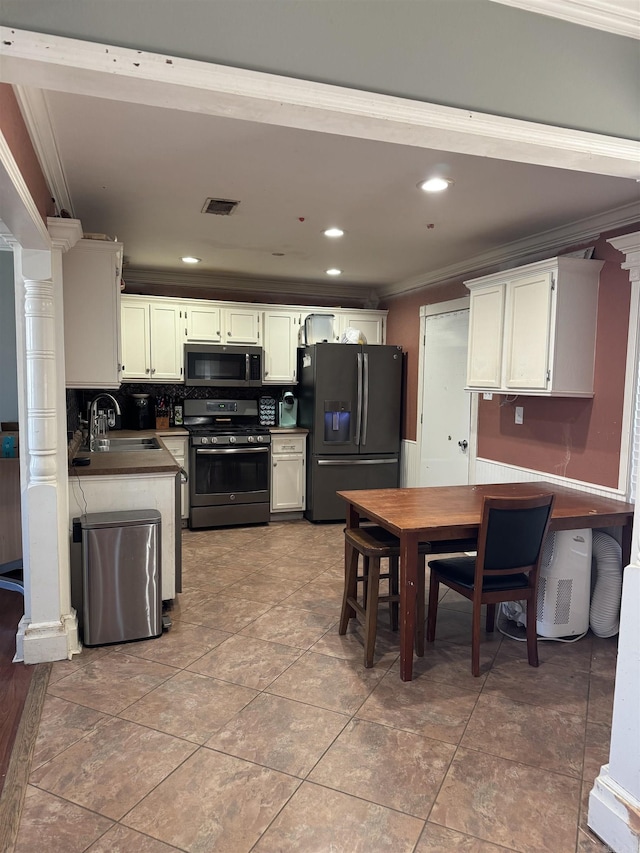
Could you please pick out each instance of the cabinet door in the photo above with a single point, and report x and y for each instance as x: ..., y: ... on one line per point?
x: 287, y: 483
x: 527, y: 323
x: 370, y: 324
x: 91, y: 287
x: 166, y: 341
x: 486, y: 319
x: 280, y: 342
x: 202, y: 323
x: 177, y: 447
x: 241, y: 326
x: 135, y: 340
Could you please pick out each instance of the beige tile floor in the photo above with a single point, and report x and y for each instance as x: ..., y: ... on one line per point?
x: 252, y: 726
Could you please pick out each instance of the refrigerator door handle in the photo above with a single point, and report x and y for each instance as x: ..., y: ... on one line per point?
x: 365, y: 397
x: 359, y: 402
x: 335, y: 462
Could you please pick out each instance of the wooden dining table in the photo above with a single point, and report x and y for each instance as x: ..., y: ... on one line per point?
x: 436, y: 513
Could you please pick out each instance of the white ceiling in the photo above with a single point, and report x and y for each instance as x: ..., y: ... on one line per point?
x: 142, y: 174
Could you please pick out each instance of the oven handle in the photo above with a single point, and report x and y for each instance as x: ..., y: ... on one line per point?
x: 232, y: 450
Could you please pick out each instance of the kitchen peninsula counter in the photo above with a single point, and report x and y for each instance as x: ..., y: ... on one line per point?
x: 126, y: 462
x: 130, y: 480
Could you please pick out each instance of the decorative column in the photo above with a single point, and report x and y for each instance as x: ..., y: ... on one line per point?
x: 48, y: 630
x: 614, y: 801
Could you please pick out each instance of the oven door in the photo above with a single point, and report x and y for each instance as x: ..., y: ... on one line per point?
x: 224, y: 475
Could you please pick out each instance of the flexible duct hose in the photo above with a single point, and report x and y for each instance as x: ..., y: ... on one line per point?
x: 604, y: 613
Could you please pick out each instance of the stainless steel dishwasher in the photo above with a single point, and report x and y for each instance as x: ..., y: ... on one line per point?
x: 121, y: 584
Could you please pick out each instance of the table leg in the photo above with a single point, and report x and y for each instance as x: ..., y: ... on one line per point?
x: 408, y: 583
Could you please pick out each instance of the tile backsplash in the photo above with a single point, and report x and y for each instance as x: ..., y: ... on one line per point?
x: 78, y: 399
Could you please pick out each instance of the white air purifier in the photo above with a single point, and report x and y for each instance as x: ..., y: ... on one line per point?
x: 564, y: 586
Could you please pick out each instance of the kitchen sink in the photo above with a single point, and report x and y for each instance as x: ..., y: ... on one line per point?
x: 113, y: 445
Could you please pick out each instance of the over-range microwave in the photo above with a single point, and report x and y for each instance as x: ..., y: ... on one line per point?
x: 222, y: 366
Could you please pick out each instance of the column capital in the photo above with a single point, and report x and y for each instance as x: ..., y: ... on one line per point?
x: 64, y: 233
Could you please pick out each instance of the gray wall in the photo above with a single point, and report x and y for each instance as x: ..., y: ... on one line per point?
x: 8, y: 378
x: 472, y: 54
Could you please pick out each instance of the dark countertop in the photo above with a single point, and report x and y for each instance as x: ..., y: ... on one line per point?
x: 127, y: 462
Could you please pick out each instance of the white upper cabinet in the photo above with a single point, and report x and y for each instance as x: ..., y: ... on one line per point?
x: 370, y: 323
x: 91, y: 286
x: 152, y: 340
x: 280, y: 330
x: 486, y: 322
x: 202, y: 322
x: 532, y: 330
x: 241, y: 325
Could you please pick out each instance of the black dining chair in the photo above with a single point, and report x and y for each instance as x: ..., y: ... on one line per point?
x: 506, y: 567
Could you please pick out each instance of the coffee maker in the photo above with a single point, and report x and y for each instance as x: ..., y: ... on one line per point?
x: 141, y: 411
x: 288, y: 411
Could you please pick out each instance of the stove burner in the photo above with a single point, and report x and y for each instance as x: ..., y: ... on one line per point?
x: 228, y: 429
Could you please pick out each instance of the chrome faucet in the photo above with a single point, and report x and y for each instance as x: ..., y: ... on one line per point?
x: 99, y: 425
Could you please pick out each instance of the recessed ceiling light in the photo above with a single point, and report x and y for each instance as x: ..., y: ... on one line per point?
x: 190, y: 260
x: 333, y: 271
x: 333, y: 232
x: 435, y: 185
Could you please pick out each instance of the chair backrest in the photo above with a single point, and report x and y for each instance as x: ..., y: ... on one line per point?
x: 512, y: 533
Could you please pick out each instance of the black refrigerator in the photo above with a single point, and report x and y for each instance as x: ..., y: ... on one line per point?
x: 350, y: 401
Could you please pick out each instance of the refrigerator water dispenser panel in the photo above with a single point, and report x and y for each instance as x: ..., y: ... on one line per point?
x: 337, y: 421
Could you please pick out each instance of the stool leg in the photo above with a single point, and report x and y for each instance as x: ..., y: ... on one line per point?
x: 393, y: 591
x: 350, y: 587
x: 433, y: 606
x: 420, y: 614
x: 371, y: 612
x: 365, y: 579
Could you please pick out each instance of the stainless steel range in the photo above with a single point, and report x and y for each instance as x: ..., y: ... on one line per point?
x: 229, y: 463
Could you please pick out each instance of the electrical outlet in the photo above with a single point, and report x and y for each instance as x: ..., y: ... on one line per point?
x: 487, y: 395
x: 519, y: 414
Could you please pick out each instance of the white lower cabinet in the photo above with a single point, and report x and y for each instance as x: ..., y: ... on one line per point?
x: 288, y: 460
x: 178, y: 447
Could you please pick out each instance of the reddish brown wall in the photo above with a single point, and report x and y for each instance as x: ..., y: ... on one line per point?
x: 403, y: 329
x: 576, y: 438
x: 15, y: 132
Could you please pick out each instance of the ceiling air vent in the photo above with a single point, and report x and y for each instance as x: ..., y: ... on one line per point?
x: 220, y: 206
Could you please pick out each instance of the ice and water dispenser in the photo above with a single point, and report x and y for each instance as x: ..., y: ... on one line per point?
x: 337, y: 421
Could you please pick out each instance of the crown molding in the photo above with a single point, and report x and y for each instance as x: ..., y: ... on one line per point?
x: 135, y: 76
x: 35, y: 112
x: 541, y: 245
x: 227, y: 283
x: 612, y: 16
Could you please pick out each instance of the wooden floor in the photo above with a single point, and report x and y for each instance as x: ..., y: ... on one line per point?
x: 15, y: 678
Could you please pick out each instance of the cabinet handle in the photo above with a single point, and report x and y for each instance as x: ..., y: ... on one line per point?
x: 218, y: 333
x: 228, y: 334
x: 147, y: 370
x: 275, y: 464
x: 266, y: 373
x: 153, y: 370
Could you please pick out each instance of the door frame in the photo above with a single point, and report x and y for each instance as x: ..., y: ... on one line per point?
x: 451, y: 305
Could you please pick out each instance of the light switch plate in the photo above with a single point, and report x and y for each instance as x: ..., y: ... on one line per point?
x: 519, y: 414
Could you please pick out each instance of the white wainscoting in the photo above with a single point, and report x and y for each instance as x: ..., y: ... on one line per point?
x: 409, y: 469
x: 488, y: 471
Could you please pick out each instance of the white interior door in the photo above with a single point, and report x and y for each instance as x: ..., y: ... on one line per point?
x: 446, y: 406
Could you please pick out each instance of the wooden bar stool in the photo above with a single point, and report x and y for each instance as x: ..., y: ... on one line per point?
x: 374, y: 544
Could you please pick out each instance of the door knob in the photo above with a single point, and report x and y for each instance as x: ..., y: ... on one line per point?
x: 463, y: 444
